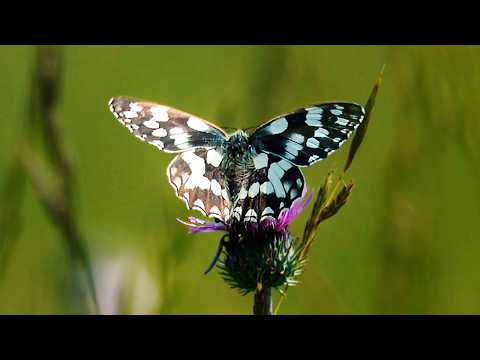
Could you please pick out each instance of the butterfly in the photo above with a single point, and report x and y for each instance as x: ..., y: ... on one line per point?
x: 240, y: 177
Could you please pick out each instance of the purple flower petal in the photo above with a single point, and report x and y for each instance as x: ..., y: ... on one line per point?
x: 202, y: 226
x: 287, y: 216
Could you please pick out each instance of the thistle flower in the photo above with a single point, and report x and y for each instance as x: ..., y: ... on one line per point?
x: 256, y: 255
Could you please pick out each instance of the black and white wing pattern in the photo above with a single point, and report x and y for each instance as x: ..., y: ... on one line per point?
x: 309, y: 134
x: 168, y: 129
x: 199, y: 181
x: 273, y: 185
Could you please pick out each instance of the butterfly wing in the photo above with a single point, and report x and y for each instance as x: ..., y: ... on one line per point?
x: 272, y: 187
x: 166, y: 128
x: 198, y: 180
x: 310, y: 134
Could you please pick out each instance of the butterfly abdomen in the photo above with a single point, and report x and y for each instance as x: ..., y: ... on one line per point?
x: 237, y: 163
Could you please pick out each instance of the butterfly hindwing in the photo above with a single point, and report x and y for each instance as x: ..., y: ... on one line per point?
x: 168, y: 129
x: 198, y: 180
x: 309, y: 134
x: 273, y: 185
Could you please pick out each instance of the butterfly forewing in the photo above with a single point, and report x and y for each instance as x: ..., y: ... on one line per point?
x: 309, y: 134
x: 168, y: 129
x: 273, y: 185
x: 198, y: 180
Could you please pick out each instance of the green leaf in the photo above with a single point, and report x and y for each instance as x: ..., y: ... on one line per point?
x: 362, y: 129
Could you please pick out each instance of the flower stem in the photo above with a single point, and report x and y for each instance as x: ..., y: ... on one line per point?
x: 262, y: 303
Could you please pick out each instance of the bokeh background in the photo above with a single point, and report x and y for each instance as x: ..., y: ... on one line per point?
x: 407, y: 242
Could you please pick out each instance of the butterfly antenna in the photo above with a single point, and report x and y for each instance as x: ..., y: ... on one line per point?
x: 221, y: 244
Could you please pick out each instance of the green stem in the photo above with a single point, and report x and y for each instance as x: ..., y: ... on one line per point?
x: 262, y: 303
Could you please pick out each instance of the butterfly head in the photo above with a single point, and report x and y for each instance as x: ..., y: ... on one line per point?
x: 237, y: 144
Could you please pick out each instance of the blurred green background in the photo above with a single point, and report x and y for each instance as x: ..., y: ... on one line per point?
x: 406, y: 242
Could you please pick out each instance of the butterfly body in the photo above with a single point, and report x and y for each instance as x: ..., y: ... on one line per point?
x: 240, y: 177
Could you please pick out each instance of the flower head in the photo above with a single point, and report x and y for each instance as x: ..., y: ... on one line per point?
x: 255, y: 254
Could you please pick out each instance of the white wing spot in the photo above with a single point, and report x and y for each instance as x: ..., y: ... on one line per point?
x: 313, y: 143
x: 200, y: 204
x: 159, y: 113
x: 197, y: 124
x: 225, y: 194
x: 287, y: 185
x: 278, y: 126
x: 242, y: 194
x: 181, y: 139
x: 293, y: 194
x: 159, y: 144
x: 275, y: 173
x: 215, y: 210
x: 216, y: 188
x: 312, y: 122
x: 313, y: 119
x: 298, y: 138
x: 251, y: 215
x: 214, y: 157
x: 285, y: 165
x: 203, y: 183
x: 130, y: 114
x: 267, y: 211
x: 266, y: 188
x: 183, y: 146
x: 321, y: 132
x: 135, y: 107
x: 176, y: 131
x: 253, y: 191
x: 314, y: 110
x: 178, y: 182
x: 197, y: 167
x: 260, y: 161
x: 226, y: 213
x: 276, y: 170
x: 293, y: 148
x: 151, y: 124
x: 336, y: 112
x: 159, y: 132
x: 237, y: 212
x: 289, y: 156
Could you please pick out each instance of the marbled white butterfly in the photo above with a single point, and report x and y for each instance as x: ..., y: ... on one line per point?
x: 239, y: 176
